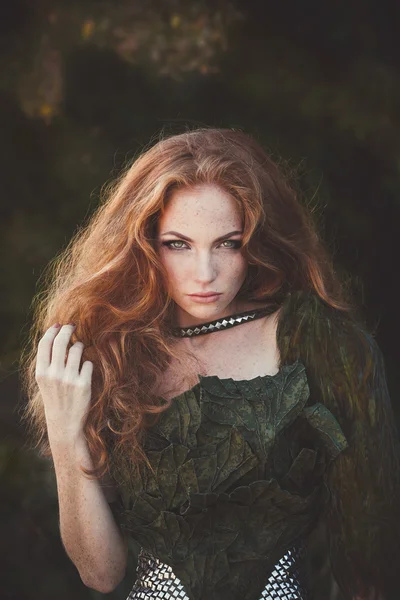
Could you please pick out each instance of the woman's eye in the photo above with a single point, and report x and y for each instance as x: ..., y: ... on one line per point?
x: 234, y: 244
x: 171, y: 242
x: 180, y: 245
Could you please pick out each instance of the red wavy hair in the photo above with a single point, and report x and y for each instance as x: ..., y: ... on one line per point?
x: 110, y: 282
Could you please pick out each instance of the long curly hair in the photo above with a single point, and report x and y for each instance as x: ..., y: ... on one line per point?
x: 109, y: 280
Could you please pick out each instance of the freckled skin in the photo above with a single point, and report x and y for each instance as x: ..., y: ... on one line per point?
x: 203, y: 214
x: 89, y: 533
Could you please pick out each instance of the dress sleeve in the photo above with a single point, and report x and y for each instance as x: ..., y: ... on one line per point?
x: 363, y: 514
x: 346, y: 372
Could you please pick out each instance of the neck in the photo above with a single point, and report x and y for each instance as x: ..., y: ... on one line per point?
x: 185, y: 319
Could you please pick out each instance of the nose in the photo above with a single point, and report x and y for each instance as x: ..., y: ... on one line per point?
x: 205, y: 269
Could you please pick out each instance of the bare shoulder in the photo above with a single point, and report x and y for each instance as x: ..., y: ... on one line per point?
x: 177, y: 377
x: 267, y: 344
x: 269, y: 327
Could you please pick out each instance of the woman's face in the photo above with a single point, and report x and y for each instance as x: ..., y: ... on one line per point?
x: 199, y: 238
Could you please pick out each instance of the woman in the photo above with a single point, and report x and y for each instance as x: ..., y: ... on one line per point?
x: 211, y: 392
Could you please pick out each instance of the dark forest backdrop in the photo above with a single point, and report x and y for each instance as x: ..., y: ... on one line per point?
x: 85, y: 85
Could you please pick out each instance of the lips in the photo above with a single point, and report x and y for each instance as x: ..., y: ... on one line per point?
x: 205, y: 298
x: 206, y: 294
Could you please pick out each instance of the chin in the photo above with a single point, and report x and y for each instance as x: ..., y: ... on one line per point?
x: 205, y: 312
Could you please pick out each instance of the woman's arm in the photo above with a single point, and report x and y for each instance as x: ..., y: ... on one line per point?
x: 89, y: 532
x: 90, y: 535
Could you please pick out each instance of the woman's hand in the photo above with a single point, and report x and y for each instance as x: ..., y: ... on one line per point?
x: 65, y: 390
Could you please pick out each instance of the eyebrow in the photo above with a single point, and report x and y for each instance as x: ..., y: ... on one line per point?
x: 187, y: 239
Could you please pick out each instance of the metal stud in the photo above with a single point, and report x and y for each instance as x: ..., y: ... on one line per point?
x: 225, y: 323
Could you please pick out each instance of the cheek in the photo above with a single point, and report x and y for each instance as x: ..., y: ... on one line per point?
x: 236, y: 268
x: 174, y: 267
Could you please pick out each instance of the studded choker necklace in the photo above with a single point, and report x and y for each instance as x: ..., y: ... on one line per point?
x: 224, y: 322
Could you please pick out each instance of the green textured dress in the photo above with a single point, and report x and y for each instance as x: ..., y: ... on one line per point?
x: 243, y: 470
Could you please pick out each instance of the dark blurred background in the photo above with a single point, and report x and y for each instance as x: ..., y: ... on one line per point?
x: 87, y: 85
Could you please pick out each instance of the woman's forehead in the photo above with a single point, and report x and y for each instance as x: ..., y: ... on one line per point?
x: 202, y: 205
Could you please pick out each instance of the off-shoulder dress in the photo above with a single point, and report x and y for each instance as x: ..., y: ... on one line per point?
x: 241, y: 474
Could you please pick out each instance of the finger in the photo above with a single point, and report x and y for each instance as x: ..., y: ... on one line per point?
x: 87, y: 370
x: 43, y: 357
x: 59, y: 349
x: 74, y: 359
